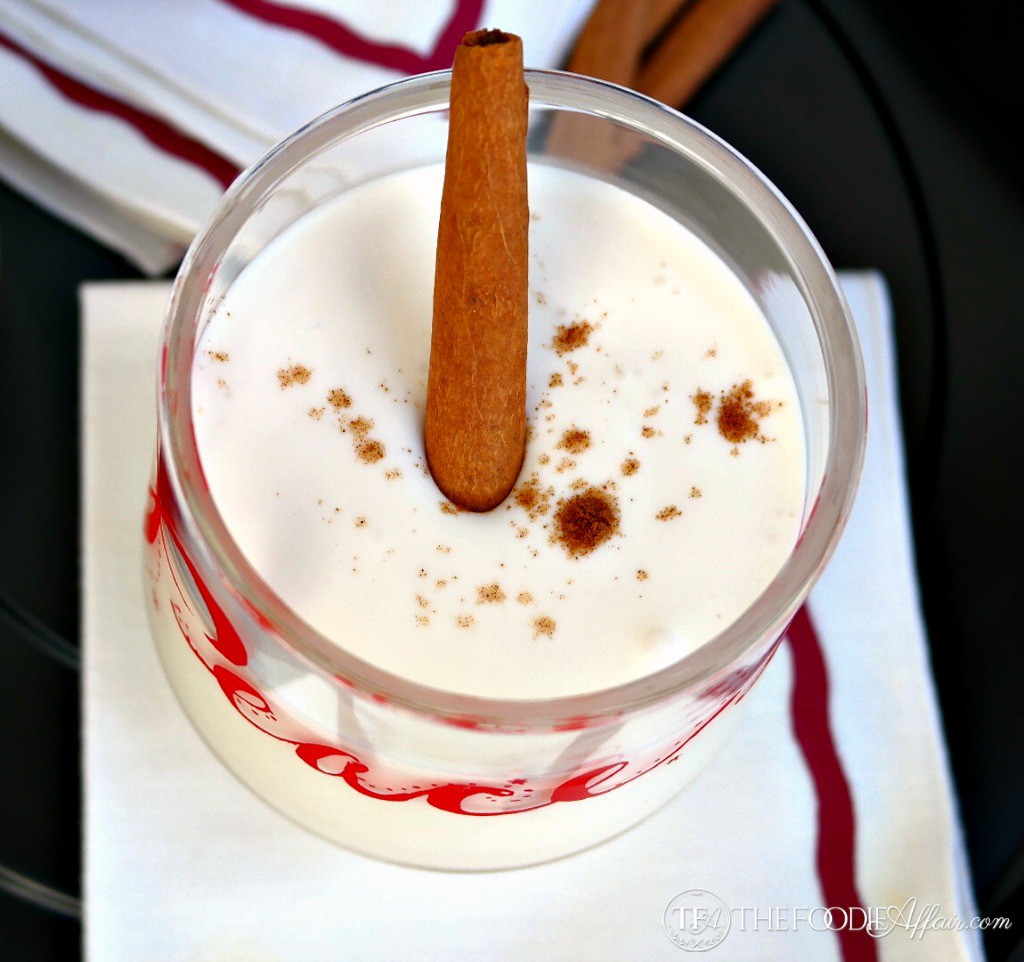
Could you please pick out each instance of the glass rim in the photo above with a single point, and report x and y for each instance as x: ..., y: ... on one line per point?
x: 212, y: 546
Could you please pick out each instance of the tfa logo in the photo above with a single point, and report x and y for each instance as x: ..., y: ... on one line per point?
x: 697, y: 920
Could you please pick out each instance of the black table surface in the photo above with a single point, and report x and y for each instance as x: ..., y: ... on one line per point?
x: 888, y: 125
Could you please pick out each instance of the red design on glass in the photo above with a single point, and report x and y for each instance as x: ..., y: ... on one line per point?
x: 224, y: 638
x: 248, y: 701
x: 216, y: 643
x: 154, y: 517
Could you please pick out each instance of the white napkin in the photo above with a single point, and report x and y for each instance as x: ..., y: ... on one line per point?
x: 183, y: 863
x: 129, y: 119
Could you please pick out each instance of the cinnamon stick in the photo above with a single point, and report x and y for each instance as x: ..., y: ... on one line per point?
x: 611, y: 41
x: 475, y: 427
x: 696, y: 46
x: 659, y: 14
x: 609, y: 48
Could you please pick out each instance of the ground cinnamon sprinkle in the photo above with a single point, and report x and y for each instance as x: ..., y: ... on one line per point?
x: 296, y: 374
x: 367, y: 449
x: 575, y: 441
x: 464, y: 621
x: 556, y: 379
x: 586, y: 521
x: 221, y: 356
x: 703, y: 402
x: 668, y: 513
x: 739, y: 415
x: 361, y: 426
x: 370, y: 451
x: 448, y: 508
x: 529, y: 496
x: 338, y: 399
x: 641, y: 575
x: 490, y: 595
x: 569, y: 337
x: 630, y: 466
x: 695, y: 492
x: 543, y: 626
x: 524, y: 597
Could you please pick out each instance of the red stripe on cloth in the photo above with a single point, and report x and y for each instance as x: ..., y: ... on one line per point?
x: 340, y: 38
x: 155, y: 130
x: 836, y: 822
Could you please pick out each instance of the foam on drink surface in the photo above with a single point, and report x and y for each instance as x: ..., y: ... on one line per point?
x: 663, y: 482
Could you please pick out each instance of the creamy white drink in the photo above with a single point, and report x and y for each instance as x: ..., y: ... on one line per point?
x: 662, y: 489
x: 663, y: 482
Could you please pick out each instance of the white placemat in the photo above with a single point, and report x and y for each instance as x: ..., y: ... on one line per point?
x: 835, y: 784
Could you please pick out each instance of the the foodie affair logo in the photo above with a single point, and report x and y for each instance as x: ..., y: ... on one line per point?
x: 697, y: 920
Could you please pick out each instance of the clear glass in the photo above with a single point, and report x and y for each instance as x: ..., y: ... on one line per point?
x: 399, y: 770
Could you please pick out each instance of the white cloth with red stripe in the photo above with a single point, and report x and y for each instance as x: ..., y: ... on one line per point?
x: 834, y: 789
x: 129, y: 119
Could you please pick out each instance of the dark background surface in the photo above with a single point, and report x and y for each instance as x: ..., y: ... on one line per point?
x: 890, y: 126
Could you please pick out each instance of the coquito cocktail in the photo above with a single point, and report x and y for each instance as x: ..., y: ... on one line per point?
x: 480, y: 689
x: 663, y: 481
